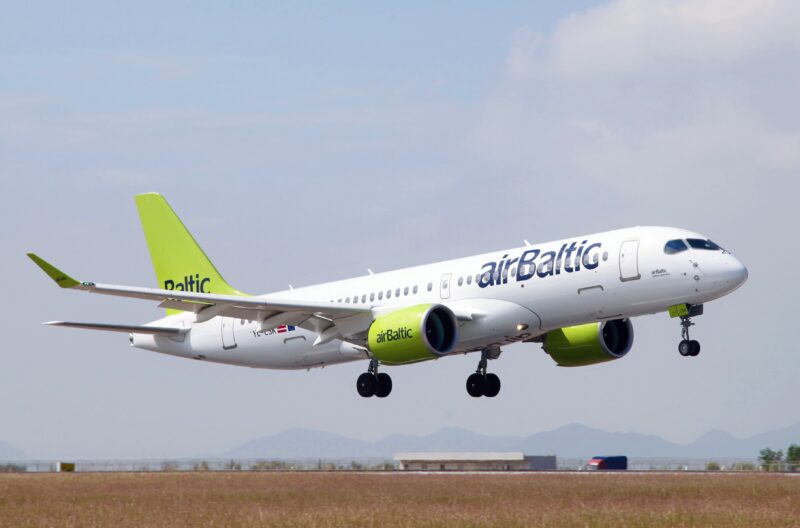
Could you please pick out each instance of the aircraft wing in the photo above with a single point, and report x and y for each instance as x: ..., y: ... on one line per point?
x: 315, y: 316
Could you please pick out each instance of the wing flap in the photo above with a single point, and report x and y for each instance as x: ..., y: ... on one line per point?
x: 258, y: 304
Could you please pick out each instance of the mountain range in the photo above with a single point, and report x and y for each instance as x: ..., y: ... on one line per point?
x: 567, y: 441
x: 9, y: 452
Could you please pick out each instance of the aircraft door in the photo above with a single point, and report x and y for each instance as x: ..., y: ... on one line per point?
x: 445, y: 286
x: 228, y: 339
x: 629, y: 261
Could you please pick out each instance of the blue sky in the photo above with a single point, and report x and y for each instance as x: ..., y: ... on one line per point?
x: 255, y: 56
x: 306, y: 142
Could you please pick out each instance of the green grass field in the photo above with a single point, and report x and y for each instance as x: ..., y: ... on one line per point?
x: 395, y: 499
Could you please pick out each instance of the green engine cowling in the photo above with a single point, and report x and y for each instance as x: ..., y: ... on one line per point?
x: 411, y: 334
x: 588, y: 344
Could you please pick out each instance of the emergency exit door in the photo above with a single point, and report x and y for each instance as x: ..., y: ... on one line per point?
x: 444, y: 289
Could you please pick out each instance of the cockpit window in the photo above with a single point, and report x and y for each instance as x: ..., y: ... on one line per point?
x: 698, y: 243
x: 675, y: 246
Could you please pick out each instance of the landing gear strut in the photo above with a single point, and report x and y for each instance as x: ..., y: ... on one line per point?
x: 482, y: 383
x: 687, y: 346
x: 372, y: 383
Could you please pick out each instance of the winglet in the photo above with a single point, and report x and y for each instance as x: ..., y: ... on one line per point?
x: 61, y: 278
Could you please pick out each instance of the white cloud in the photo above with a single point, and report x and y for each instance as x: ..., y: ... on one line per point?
x: 629, y: 35
x: 652, y: 91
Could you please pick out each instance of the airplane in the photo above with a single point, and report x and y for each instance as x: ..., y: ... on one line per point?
x: 575, y: 297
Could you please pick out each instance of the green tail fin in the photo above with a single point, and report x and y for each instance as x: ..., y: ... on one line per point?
x: 179, y: 262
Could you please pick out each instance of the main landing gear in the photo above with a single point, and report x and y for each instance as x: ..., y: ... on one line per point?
x: 687, y: 346
x: 482, y: 383
x: 372, y: 383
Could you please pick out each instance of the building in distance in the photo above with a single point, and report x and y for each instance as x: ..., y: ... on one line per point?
x: 474, y: 461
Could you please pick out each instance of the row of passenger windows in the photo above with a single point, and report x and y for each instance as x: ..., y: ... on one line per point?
x: 678, y: 245
x: 413, y: 290
x: 379, y: 296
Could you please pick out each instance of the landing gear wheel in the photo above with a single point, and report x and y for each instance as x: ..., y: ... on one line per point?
x: 384, y: 385
x: 688, y: 346
x: 491, y: 385
x: 366, y: 384
x: 475, y: 385
x: 481, y: 383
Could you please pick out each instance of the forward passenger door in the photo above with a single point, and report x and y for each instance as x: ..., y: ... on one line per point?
x: 629, y: 261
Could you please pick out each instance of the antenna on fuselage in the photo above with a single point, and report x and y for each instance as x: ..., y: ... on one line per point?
x: 526, y: 242
x: 370, y: 271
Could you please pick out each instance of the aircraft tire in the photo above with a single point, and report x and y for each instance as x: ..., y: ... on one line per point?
x: 685, y: 348
x: 475, y: 385
x: 384, y: 385
x: 366, y: 385
x: 694, y: 348
x: 491, y: 385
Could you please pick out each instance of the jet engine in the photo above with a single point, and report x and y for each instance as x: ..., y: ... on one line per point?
x: 587, y: 344
x: 411, y: 334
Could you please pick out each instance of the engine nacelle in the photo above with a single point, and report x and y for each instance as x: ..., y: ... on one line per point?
x: 412, y: 334
x: 587, y: 344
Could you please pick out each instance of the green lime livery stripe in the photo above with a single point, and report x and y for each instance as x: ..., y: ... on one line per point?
x: 61, y: 278
x: 679, y: 310
x: 178, y: 260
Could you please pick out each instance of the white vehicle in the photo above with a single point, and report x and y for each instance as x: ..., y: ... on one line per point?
x: 574, y: 296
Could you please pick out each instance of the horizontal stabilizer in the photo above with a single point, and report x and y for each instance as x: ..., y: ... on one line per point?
x: 315, y: 316
x: 127, y: 329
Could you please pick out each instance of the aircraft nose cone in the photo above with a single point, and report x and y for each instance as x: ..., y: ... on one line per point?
x: 739, y: 273
x: 735, y: 273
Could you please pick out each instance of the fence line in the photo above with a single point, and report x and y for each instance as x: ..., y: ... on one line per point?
x: 260, y: 464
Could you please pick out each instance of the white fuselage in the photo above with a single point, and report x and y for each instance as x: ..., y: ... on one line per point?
x: 507, y: 296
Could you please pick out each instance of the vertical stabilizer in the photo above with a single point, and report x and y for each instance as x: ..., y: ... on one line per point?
x: 178, y: 260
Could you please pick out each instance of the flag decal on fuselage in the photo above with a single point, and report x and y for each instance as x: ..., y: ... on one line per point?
x: 282, y: 329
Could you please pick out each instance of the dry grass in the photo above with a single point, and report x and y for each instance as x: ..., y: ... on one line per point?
x: 341, y: 499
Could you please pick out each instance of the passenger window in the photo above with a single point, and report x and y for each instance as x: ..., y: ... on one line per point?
x: 698, y: 243
x: 380, y: 295
x: 388, y: 294
x: 371, y: 297
x: 338, y: 300
x: 415, y: 289
x: 347, y: 300
x: 461, y: 281
x: 405, y: 291
x: 675, y: 246
x: 430, y: 286
x: 397, y: 292
x: 469, y: 279
x: 364, y: 298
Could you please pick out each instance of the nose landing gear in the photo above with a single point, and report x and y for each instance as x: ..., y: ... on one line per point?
x: 689, y: 347
x: 482, y: 383
x: 372, y: 383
